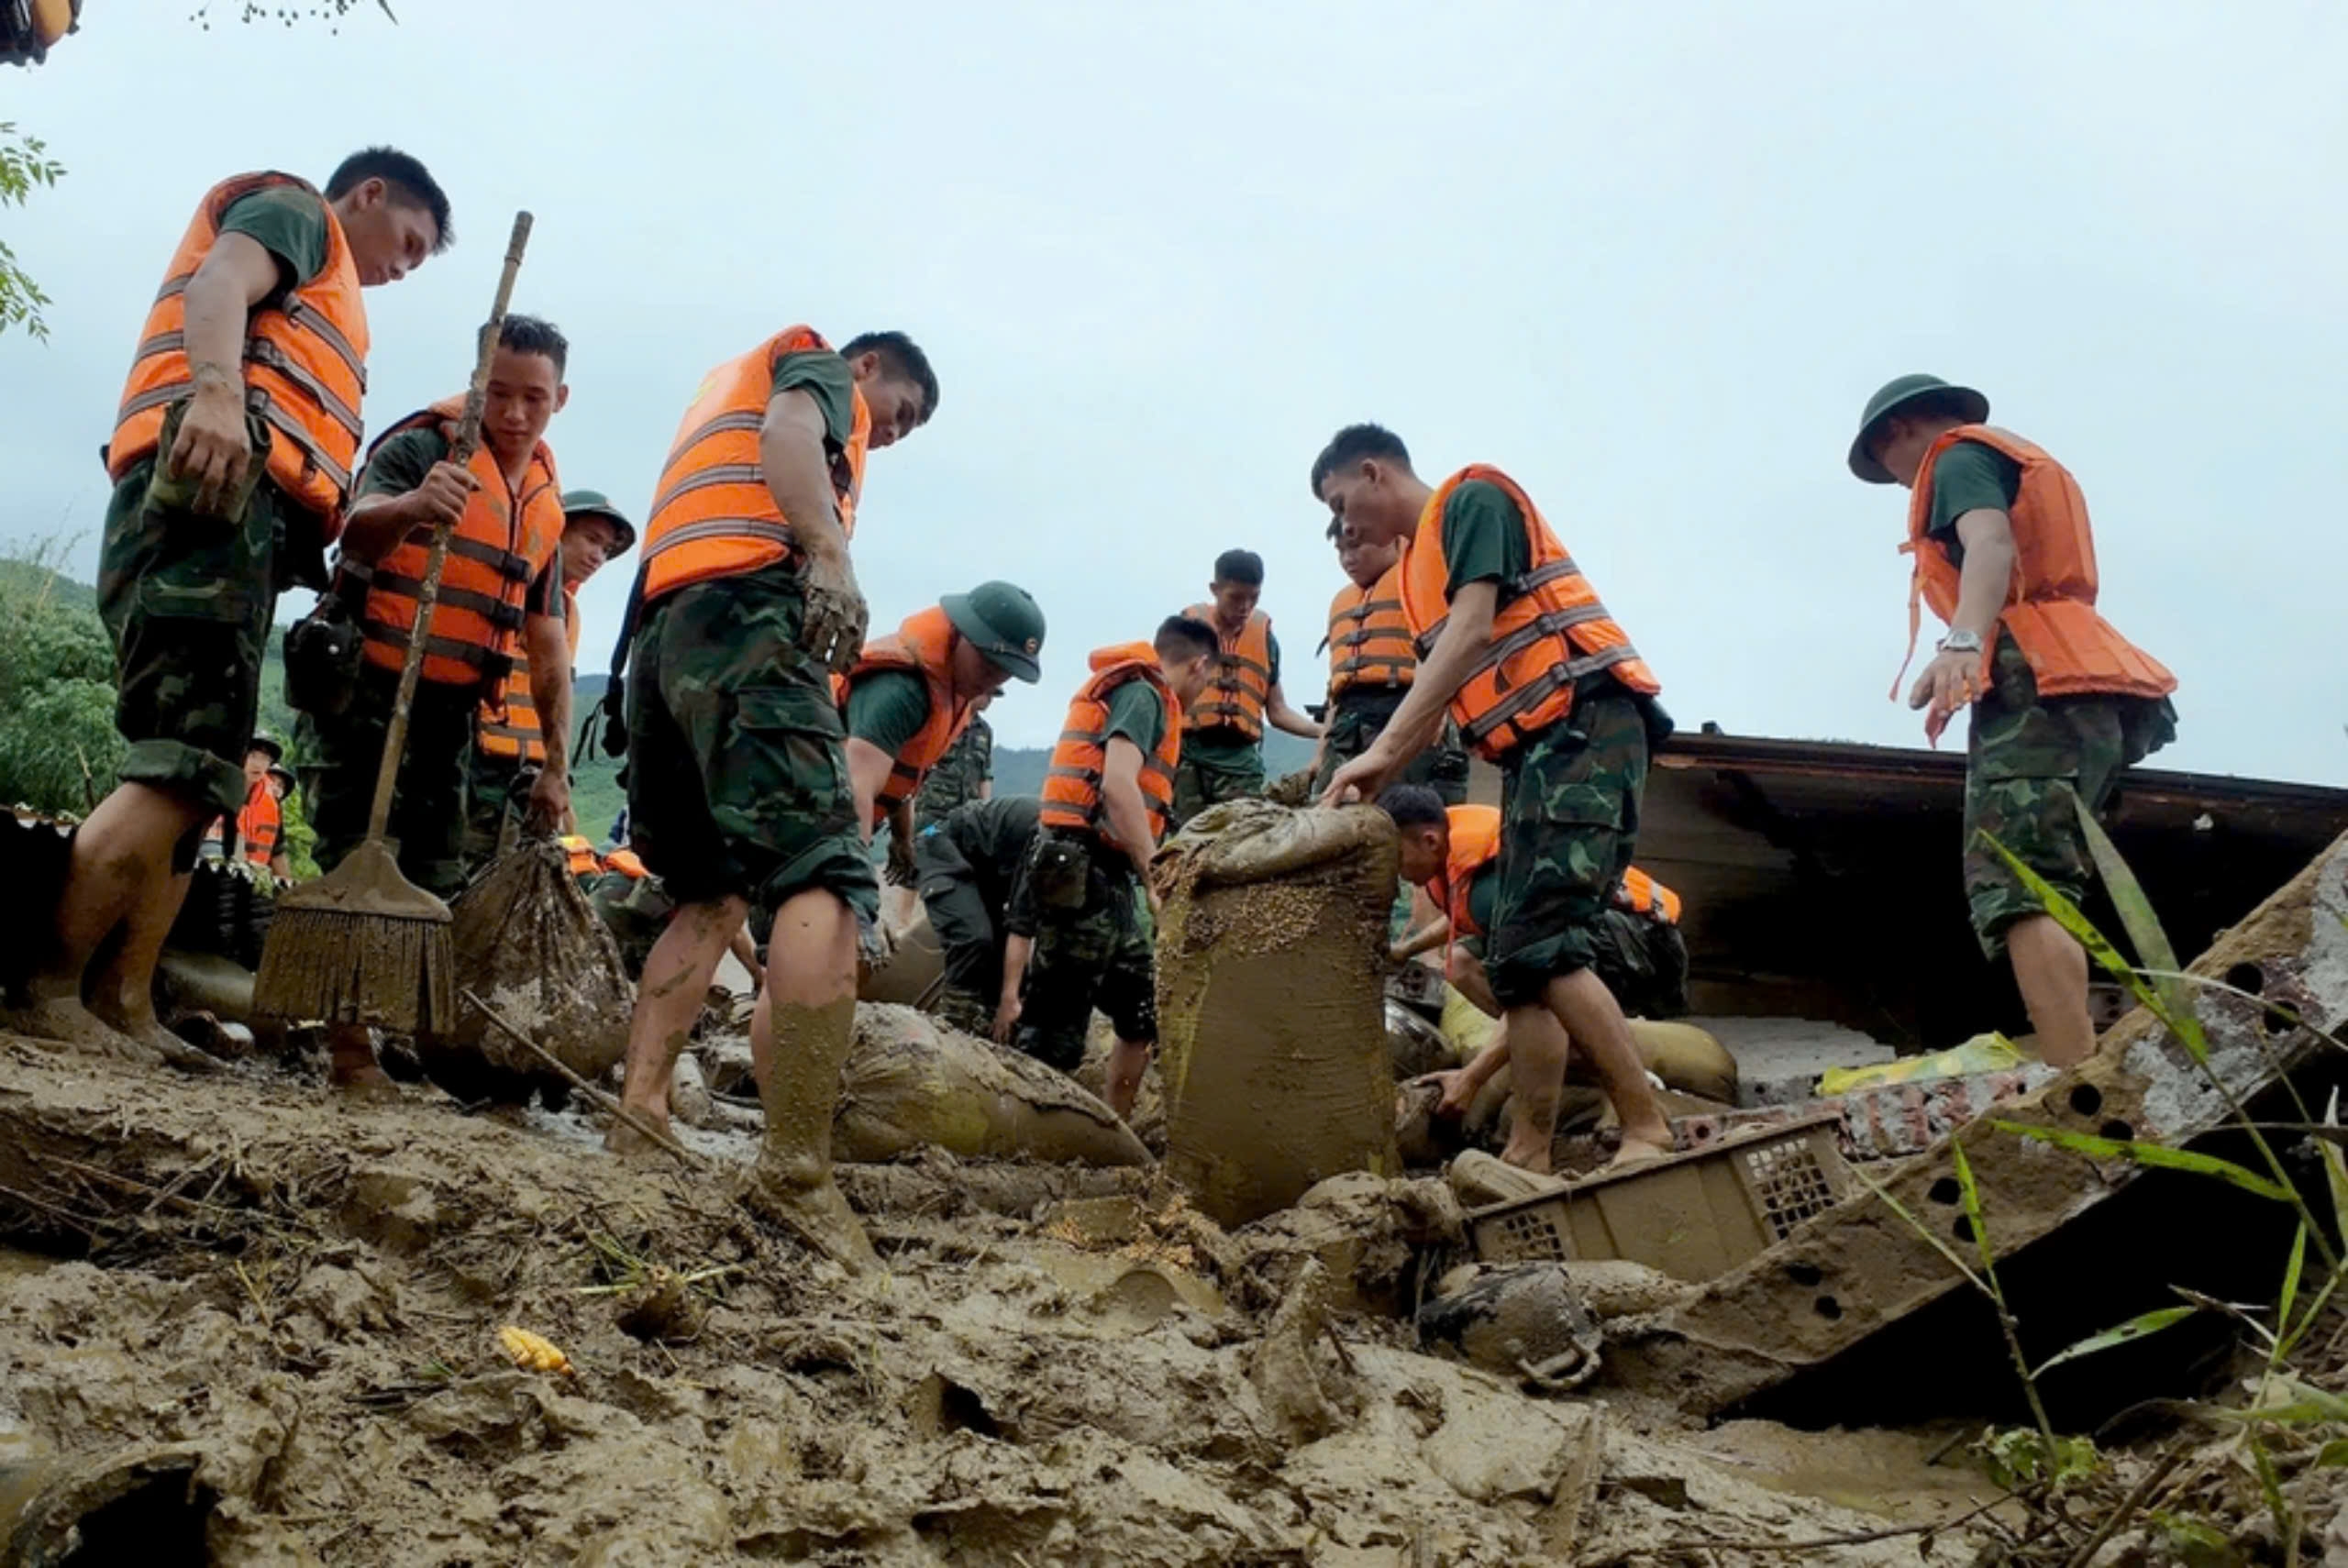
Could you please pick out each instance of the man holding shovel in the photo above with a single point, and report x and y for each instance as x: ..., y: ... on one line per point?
x: 1542, y: 680
x: 500, y: 596
x: 231, y: 459
x: 738, y: 783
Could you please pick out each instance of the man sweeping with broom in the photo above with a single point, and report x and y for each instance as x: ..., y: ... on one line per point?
x: 738, y: 776
x: 500, y: 594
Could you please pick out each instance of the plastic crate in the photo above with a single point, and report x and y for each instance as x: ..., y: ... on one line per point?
x: 1694, y: 1216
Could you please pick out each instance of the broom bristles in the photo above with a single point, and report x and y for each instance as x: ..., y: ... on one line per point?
x: 396, y: 974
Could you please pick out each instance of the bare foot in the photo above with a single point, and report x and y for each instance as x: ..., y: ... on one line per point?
x: 353, y: 1072
x: 63, y: 1020
x: 801, y: 1198
x: 630, y: 1145
x: 149, y: 1032
x: 1636, y: 1151
x: 1527, y: 1155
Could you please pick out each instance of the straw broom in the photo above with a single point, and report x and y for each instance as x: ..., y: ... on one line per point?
x: 362, y: 944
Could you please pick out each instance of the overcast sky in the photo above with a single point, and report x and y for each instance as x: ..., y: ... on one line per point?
x: 1650, y: 261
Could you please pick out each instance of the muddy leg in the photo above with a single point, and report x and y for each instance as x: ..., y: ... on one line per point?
x: 122, y: 857
x: 1536, y: 1069
x: 122, y: 994
x: 1128, y: 1060
x: 351, y: 1067
x: 1589, y: 1011
x: 668, y: 1002
x: 2051, y: 970
x: 800, y: 1038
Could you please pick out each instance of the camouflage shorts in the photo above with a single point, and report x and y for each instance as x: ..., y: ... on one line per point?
x: 188, y: 600
x: 2026, y: 763
x: 497, y: 787
x: 737, y: 760
x: 1355, y: 721
x: 1201, y: 781
x: 1569, y: 812
x: 1098, y: 954
x: 428, y: 802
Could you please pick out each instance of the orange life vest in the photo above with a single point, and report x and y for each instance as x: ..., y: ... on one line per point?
x: 1550, y: 632
x: 2050, y: 608
x: 214, y: 845
x: 499, y: 546
x: 922, y: 646
x: 1642, y: 894
x: 628, y: 863
x: 1072, y: 787
x: 304, y: 365
x: 712, y: 514
x: 1369, y: 637
x: 259, y: 823
x: 1242, y: 682
x: 508, y: 727
x: 584, y: 862
x: 1475, y: 844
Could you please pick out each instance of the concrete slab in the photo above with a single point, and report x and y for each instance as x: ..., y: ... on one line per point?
x: 1779, y: 1059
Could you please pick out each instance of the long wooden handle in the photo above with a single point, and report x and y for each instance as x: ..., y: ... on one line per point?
x: 387, y: 773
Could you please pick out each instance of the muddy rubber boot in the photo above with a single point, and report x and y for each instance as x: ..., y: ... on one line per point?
x: 792, y: 1182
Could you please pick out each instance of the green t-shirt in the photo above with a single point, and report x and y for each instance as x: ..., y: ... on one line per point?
x: 824, y: 376
x: 887, y: 708
x: 398, y: 464
x: 1484, y: 537
x: 1137, y: 712
x: 1969, y: 476
x: 993, y: 836
x: 1220, y: 742
x: 291, y: 224
x: 1482, y: 889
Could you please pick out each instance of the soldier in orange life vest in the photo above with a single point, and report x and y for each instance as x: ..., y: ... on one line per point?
x: 1540, y: 678
x: 231, y: 458
x: 509, y: 744
x: 1371, y: 664
x: 737, y: 773
x: 2061, y: 702
x: 226, y: 837
x: 1073, y: 907
x: 1223, y: 741
x: 500, y: 595
x: 261, y: 826
x: 1452, y: 854
x: 911, y: 695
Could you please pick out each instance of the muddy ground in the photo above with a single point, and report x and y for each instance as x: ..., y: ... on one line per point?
x: 298, y: 1300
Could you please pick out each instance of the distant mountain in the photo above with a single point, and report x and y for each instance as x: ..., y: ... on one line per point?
x: 33, y: 580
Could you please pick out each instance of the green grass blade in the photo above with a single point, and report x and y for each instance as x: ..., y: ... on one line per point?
x: 1920, y: 1229
x: 1977, y: 1221
x: 2335, y: 1170
x: 2290, y: 1295
x: 2159, y: 1155
x: 2137, y: 916
x: 2125, y: 1333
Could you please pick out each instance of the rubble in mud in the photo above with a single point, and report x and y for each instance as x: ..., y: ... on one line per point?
x: 279, y: 1335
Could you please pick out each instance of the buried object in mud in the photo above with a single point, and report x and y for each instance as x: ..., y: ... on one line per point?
x: 1863, y: 1267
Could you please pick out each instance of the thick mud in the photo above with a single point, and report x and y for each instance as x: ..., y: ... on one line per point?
x: 283, y: 1312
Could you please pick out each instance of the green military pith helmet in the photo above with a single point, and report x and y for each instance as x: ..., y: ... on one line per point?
x: 595, y: 503
x: 1905, y: 393
x: 1003, y: 621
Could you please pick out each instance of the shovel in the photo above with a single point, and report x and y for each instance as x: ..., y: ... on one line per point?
x: 363, y: 945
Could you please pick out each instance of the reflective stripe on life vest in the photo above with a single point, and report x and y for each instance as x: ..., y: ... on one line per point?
x: 712, y: 514
x: 2050, y: 608
x: 922, y: 646
x: 500, y: 545
x: 1369, y: 637
x: 305, y: 362
x: 1242, y: 682
x: 1072, y: 787
x: 1642, y: 894
x: 260, y: 823
x: 1550, y: 632
x: 507, y: 726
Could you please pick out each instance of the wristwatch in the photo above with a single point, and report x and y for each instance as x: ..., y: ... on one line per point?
x: 1961, y: 642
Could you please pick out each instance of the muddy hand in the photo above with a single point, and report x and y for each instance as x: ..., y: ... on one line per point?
x: 1950, y: 682
x: 213, y: 446
x: 901, y: 862
x: 834, y: 628
x: 1356, y: 780
x: 548, y: 811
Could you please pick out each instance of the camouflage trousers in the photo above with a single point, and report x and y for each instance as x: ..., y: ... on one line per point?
x: 428, y: 821
x: 1570, y: 818
x: 737, y: 759
x: 1206, y: 778
x: 636, y: 911
x: 1098, y: 954
x: 1359, y: 717
x: 497, y: 787
x: 2028, y: 765
x: 188, y: 600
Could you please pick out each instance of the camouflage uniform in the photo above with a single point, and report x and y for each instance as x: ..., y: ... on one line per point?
x: 1209, y: 780
x: 968, y: 869
x: 636, y: 911
x: 1570, y: 818
x: 427, y: 820
x: 188, y: 599
x: 737, y: 763
x: 1358, y: 717
x: 495, y: 787
x: 1097, y: 953
x: 2026, y: 761
x: 959, y: 776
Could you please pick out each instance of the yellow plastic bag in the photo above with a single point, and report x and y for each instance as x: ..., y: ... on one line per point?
x: 1990, y: 1052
